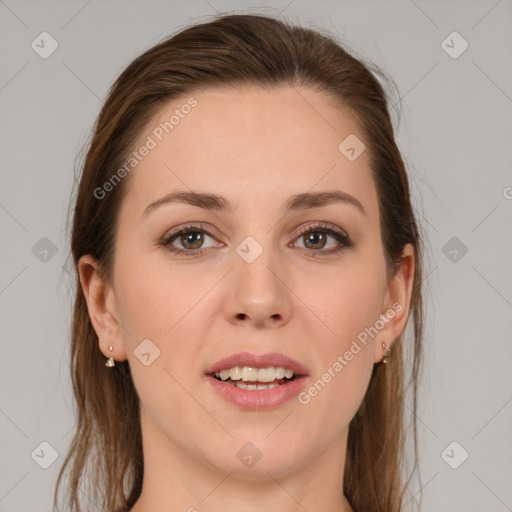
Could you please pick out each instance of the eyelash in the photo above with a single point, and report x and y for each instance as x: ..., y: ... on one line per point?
x: 338, y: 235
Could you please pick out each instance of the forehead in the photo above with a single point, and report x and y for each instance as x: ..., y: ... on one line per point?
x: 251, y: 144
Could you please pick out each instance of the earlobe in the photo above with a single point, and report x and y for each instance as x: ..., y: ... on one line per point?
x: 102, y: 308
x: 396, y: 306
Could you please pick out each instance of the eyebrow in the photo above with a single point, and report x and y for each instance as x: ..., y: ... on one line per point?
x: 214, y: 202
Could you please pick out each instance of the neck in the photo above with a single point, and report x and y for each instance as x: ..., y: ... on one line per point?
x: 175, y: 480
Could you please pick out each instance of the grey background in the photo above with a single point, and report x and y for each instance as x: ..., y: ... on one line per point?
x: 455, y: 135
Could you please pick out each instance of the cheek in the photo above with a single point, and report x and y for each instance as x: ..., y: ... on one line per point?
x: 167, y: 308
x: 345, y: 306
x: 154, y: 300
x: 348, y: 306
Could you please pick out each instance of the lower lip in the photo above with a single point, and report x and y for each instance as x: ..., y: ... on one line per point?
x: 258, y: 399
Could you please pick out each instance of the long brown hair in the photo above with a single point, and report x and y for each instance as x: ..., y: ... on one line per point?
x: 231, y: 50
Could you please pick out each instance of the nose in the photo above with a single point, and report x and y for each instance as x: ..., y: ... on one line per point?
x: 258, y: 292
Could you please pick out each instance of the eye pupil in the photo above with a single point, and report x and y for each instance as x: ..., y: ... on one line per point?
x: 189, y: 238
x: 315, y: 237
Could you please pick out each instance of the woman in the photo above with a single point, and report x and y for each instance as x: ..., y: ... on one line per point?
x: 247, y: 259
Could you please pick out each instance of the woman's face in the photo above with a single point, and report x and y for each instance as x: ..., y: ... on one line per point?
x: 246, y: 279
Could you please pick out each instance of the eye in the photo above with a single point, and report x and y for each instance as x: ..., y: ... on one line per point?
x: 189, y: 240
x: 316, y: 238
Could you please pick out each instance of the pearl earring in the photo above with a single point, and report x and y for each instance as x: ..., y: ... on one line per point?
x: 387, y: 349
x: 110, y: 361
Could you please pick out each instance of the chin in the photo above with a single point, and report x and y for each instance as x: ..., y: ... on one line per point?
x: 255, y: 459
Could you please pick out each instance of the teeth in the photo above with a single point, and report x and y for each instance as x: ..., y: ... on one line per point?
x: 249, y: 374
x: 235, y: 373
x: 224, y: 374
x: 241, y: 385
x: 288, y: 374
x: 279, y: 372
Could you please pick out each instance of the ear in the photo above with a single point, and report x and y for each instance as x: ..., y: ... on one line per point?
x: 396, y: 304
x: 102, y: 307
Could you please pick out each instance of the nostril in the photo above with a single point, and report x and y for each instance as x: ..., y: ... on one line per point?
x: 241, y: 316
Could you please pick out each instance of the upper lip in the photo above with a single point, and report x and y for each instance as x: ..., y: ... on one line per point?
x: 258, y: 361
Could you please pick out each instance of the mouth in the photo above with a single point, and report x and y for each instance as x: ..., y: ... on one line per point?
x: 253, y: 379
x: 257, y: 382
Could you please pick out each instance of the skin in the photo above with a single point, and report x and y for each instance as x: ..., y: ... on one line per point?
x: 256, y: 147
